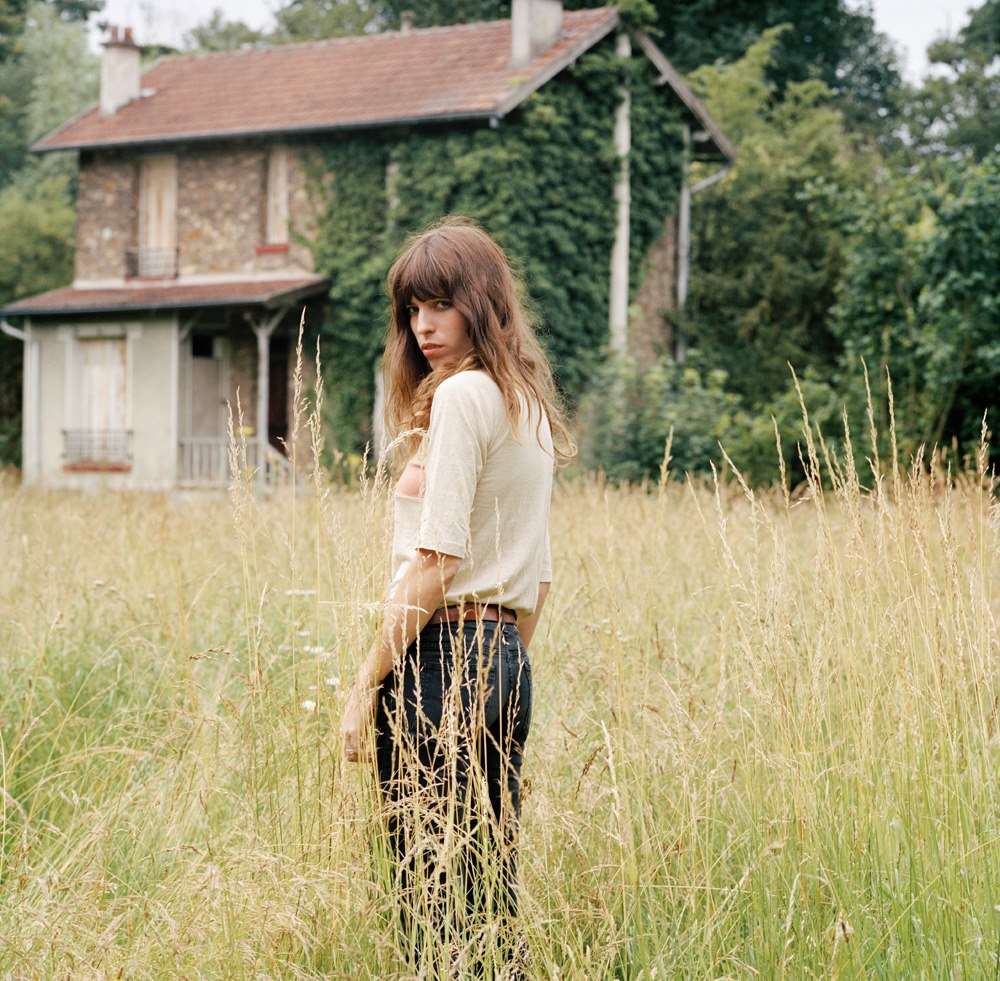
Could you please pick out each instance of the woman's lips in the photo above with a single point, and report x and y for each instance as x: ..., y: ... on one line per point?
x: 430, y: 349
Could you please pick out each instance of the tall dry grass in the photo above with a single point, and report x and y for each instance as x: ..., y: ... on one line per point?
x: 765, y: 736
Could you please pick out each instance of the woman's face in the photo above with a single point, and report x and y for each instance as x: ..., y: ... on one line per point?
x: 440, y: 330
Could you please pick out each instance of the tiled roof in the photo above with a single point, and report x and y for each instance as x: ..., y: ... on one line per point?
x: 74, y: 300
x: 434, y: 74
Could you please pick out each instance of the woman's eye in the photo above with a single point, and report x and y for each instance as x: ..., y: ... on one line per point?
x: 442, y: 304
x: 411, y: 310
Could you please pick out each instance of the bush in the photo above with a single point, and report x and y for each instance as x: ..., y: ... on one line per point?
x: 631, y: 412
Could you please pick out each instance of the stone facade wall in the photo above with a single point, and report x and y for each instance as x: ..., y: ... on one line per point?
x: 107, y: 214
x: 243, y: 376
x: 221, y: 207
x: 651, y: 332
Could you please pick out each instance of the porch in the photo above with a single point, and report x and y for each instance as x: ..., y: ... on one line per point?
x: 132, y: 387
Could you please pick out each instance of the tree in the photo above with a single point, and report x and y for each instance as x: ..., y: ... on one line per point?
x: 767, y: 256
x: 430, y: 13
x: 220, y: 34
x: 825, y: 40
x: 57, y: 76
x: 920, y: 299
x: 314, y: 20
x: 957, y: 114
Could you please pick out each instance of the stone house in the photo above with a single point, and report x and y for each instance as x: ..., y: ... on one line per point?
x: 197, y: 204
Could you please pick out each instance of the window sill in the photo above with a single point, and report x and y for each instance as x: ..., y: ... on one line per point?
x: 97, y: 466
x: 275, y: 248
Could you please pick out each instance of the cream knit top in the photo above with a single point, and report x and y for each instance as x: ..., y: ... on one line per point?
x: 479, y: 491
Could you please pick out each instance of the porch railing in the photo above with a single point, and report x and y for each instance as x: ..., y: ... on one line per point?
x: 205, y: 462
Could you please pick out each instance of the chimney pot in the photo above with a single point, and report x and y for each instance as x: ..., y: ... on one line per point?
x: 535, y: 25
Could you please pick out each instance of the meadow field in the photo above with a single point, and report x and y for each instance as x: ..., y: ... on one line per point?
x: 765, y: 738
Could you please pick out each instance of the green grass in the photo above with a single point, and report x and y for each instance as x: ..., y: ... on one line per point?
x: 765, y: 739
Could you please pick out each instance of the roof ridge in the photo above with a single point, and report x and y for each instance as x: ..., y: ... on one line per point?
x: 348, y: 39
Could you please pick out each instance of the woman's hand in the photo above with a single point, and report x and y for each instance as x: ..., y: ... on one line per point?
x: 420, y: 592
x: 356, y: 725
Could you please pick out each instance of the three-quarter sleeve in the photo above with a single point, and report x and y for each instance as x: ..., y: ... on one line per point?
x: 457, y: 440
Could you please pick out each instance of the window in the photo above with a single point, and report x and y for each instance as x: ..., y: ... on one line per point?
x: 157, y: 255
x: 102, y: 439
x: 202, y: 346
x: 276, y: 228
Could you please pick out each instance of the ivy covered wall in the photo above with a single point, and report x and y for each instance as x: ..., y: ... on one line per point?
x: 541, y: 182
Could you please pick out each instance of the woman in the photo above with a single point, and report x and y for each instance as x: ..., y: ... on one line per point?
x: 448, y: 683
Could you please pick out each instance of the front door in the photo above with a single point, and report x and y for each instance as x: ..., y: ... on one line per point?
x: 205, y: 414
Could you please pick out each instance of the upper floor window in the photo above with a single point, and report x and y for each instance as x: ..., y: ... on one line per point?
x: 157, y: 255
x: 276, y: 226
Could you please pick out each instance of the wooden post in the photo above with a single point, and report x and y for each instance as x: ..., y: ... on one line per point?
x: 263, y: 328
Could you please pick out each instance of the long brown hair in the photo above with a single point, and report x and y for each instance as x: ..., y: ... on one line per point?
x: 455, y: 259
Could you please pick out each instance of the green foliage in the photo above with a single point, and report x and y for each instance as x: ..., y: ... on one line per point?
x: 875, y: 317
x: 655, y: 172
x: 351, y: 248
x: 766, y: 252
x: 64, y: 72
x: 957, y: 113
x: 314, y: 20
x: 632, y: 411
x: 827, y: 39
x: 960, y: 303
x: 429, y: 13
x: 36, y: 238
x: 36, y: 254
x: 919, y: 301
x: 540, y: 182
x: 54, y: 76
x: 220, y: 34
x: 15, y: 94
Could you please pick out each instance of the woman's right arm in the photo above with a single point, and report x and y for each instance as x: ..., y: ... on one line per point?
x: 526, y: 627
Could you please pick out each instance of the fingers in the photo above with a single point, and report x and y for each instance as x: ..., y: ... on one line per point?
x: 357, y: 746
x: 354, y: 753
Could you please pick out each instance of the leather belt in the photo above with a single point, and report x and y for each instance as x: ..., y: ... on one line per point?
x: 472, y: 611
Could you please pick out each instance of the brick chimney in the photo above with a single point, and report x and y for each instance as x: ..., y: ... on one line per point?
x: 120, y: 70
x: 535, y: 25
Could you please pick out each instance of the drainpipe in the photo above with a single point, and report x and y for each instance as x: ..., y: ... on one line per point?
x: 10, y: 331
x: 618, y: 292
x: 684, y: 238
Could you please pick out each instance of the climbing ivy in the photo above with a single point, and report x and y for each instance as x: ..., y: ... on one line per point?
x: 541, y: 182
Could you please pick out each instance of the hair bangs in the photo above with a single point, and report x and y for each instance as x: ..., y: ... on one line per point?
x: 424, y: 274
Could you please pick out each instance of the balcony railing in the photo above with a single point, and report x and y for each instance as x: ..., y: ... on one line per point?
x: 97, y: 449
x: 150, y: 263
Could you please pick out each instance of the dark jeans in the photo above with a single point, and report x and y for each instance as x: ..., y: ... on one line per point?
x: 451, y: 724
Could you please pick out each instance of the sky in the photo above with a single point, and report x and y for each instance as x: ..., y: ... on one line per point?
x: 912, y: 24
